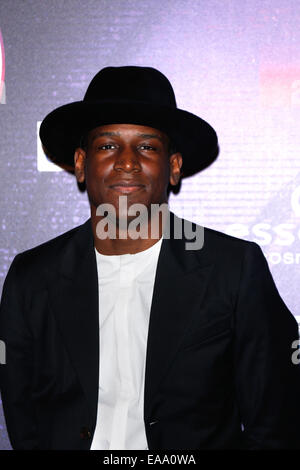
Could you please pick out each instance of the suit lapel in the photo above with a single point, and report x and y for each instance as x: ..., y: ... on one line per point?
x: 181, y: 280
x: 74, y: 300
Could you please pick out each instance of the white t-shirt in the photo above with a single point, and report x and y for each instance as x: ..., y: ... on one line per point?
x: 125, y: 294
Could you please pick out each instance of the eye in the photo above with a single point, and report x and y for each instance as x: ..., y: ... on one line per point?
x: 106, y: 147
x: 147, y: 147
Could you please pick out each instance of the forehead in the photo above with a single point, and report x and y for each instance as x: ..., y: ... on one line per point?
x: 128, y: 131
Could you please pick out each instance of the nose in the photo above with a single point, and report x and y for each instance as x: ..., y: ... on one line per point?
x: 127, y: 160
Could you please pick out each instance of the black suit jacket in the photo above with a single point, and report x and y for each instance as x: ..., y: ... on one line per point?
x: 219, y: 371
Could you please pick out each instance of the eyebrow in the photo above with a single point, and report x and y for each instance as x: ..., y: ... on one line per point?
x: 113, y: 134
x: 150, y: 136
x: 105, y: 134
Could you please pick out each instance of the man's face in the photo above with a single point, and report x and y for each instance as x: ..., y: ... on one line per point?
x: 119, y: 155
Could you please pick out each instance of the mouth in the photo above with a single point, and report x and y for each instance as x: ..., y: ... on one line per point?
x: 125, y: 188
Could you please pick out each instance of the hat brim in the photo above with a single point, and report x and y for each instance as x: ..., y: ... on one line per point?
x: 194, y: 138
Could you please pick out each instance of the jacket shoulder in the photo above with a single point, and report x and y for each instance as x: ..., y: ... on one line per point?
x: 211, y: 235
x: 232, y: 249
x: 224, y: 239
x: 45, y: 255
x: 215, y: 238
x: 224, y: 249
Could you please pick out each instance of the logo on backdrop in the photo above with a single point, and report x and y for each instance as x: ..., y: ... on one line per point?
x: 281, y: 238
x: 43, y: 163
x: 280, y: 86
x: 2, y: 71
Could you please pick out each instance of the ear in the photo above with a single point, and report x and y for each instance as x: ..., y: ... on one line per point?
x: 79, y: 164
x: 175, y: 167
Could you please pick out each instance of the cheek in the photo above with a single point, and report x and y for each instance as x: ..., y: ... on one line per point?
x: 159, y: 183
x: 163, y: 176
x: 158, y: 173
x: 95, y: 173
x: 95, y: 186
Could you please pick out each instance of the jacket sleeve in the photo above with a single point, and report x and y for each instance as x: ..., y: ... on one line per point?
x: 267, y: 379
x: 16, y: 374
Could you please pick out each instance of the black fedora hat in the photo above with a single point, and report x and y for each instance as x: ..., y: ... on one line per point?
x: 129, y: 95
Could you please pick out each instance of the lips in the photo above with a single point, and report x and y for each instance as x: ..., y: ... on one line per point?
x: 126, y: 187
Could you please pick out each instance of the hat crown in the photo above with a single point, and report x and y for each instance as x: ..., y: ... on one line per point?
x: 131, y: 84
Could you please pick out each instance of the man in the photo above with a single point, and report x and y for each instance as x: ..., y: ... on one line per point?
x: 143, y: 342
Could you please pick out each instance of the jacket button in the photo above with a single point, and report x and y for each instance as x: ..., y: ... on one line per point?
x: 85, y: 433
